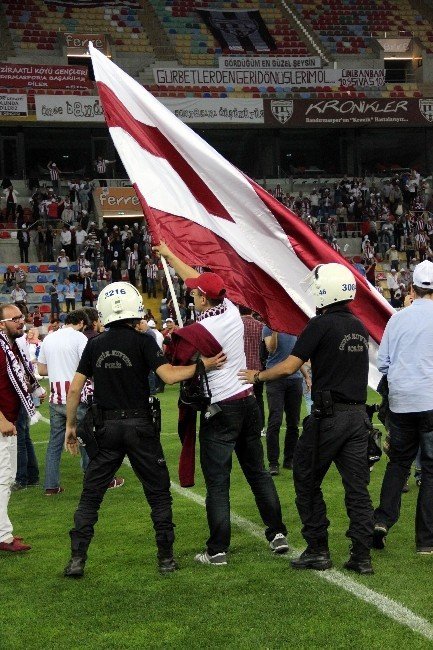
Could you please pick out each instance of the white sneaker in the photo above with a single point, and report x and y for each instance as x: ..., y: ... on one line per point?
x: 219, y: 559
x: 279, y: 544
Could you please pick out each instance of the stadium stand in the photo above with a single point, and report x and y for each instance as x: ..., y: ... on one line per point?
x: 35, y: 25
x: 194, y: 44
x: 347, y: 27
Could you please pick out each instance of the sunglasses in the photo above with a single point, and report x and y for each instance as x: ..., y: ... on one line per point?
x: 15, y: 319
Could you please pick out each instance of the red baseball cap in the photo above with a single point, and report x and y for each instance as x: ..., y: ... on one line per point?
x: 211, y: 284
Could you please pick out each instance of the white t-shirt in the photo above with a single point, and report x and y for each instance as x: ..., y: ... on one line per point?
x: 60, y: 352
x: 80, y: 236
x: 159, y: 337
x: 228, y: 329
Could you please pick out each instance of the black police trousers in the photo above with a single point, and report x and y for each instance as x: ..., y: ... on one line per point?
x: 342, y: 439
x: 135, y: 438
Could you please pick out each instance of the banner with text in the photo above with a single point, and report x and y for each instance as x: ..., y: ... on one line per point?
x: 268, y: 62
x: 348, y: 112
x: 19, y: 75
x: 77, y: 44
x: 117, y: 201
x: 68, y: 108
x: 238, y: 30
x: 218, y: 111
x: 12, y: 105
x: 372, y: 77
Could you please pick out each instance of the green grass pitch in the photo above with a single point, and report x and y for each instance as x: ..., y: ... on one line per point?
x: 257, y: 601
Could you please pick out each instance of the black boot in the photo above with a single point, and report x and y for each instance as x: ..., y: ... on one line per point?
x: 166, y: 561
x: 317, y: 558
x: 75, y: 567
x: 360, y: 562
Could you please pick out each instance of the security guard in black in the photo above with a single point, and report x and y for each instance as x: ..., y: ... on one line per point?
x: 336, y: 342
x: 119, y: 360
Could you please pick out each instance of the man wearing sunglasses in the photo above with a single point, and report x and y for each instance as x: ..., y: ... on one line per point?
x: 11, y: 328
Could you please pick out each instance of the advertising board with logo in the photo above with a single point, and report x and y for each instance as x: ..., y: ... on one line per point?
x: 117, y: 202
x: 348, y: 112
x: 78, y: 44
x: 68, y: 108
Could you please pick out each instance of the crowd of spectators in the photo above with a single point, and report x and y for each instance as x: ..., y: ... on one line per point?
x: 393, y: 217
x: 396, y: 211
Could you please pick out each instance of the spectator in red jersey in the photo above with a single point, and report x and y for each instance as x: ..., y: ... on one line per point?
x: 37, y: 318
x: 54, y: 325
x: 16, y: 384
x: 370, y: 271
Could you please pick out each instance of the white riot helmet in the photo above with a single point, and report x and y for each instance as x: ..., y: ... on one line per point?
x: 119, y: 301
x: 332, y: 283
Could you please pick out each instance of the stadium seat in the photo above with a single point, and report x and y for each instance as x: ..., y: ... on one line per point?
x: 39, y: 288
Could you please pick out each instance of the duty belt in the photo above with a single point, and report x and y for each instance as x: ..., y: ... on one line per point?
x: 126, y: 414
x: 339, y: 406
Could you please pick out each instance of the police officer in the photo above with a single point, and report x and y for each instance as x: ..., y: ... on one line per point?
x: 336, y: 342
x: 119, y: 360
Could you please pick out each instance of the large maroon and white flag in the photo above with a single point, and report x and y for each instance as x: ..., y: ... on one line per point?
x: 211, y: 214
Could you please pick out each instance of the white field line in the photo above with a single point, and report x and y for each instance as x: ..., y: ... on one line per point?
x: 391, y: 608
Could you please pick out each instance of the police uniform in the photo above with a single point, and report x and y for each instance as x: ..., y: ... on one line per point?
x: 119, y: 360
x: 336, y: 342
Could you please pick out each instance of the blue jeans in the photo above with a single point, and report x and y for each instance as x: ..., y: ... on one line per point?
x: 27, y: 464
x: 308, y: 402
x: 235, y: 428
x: 56, y: 442
x: 151, y: 287
x: 63, y: 274
x: 407, y: 432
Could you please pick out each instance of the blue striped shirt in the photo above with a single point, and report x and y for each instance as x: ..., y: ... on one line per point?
x: 406, y: 357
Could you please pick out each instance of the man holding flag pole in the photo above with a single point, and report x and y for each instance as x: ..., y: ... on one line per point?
x: 210, y: 214
x: 231, y: 422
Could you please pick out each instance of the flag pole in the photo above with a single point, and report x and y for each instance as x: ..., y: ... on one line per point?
x: 172, y: 292
x: 156, y: 238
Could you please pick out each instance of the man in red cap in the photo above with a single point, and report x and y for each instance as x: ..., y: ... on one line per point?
x: 231, y: 422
